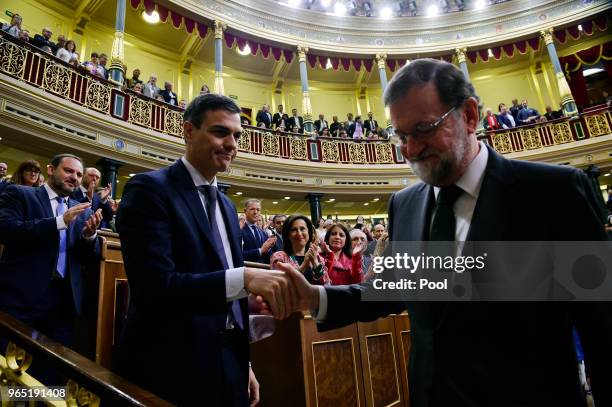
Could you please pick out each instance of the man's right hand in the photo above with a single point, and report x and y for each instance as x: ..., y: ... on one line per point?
x: 72, y: 213
x: 274, y: 287
x: 268, y: 244
x: 307, y: 294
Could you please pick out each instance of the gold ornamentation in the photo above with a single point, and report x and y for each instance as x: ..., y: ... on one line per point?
x: 117, y: 51
x: 219, y: 88
x: 244, y: 142
x: 298, y: 148
x: 561, y: 133
x: 329, y: 151
x: 501, y: 143
x: 17, y: 359
x: 357, y: 152
x: 597, y: 125
x: 80, y: 396
x: 460, y: 52
x: 270, y: 144
x: 380, y: 60
x: 302, y: 50
x: 220, y: 26
x: 56, y: 79
x: 140, y: 111
x: 547, y: 36
x: 98, y: 96
x: 173, y: 123
x: 306, y: 106
x: 12, y: 58
x: 531, y: 139
x: 383, y: 153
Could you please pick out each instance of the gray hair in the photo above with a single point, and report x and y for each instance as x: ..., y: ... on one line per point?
x: 453, y: 88
x: 250, y: 201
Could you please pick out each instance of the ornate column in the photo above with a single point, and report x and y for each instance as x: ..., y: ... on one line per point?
x: 314, y: 199
x: 381, y: 60
x: 110, y: 169
x: 116, y: 72
x: 567, y: 100
x: 460, y: 53
x: 306, y: 106
x: 219, y: 27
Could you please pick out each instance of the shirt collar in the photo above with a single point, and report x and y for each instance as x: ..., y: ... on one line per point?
x: 471, y: 181
x: 196, y: 177
x: 52, y: 194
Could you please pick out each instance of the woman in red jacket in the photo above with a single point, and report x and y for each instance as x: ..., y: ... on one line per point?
x: 343, y: 263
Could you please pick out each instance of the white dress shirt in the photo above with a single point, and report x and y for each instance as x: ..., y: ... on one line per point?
x: 59, y: 220
x: 234, y: 276
x: 470, y: 183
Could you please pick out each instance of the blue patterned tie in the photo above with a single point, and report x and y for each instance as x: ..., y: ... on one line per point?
x: 61, y: 257
x: 211, y: 192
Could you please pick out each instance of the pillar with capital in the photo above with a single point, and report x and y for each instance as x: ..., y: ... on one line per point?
x: 110, y: 173
x: 460, y: 53
x: 567, y: 100
x: 116, y: 72
x: 381, y: 60
x: 218, y: 87
x: 306, y: 106
x: 316, y: 212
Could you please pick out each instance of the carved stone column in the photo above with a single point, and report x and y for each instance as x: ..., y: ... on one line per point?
x: 306, y: 106
x: 218, y: 87
x: 567, y: 100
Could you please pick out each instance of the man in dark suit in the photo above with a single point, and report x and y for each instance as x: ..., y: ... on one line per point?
x: 463, y: 353
x: 276, y: 119
x: 334, y: 128
x: 46, y: 235
x: 296, y: 121
x: 264, y: 116
x: 320, y: 124
x: 3, y: 180
x: 256, y: 245
x: 44, y: 40
x: 370, y: 124
x: 181, y: 247
x: 278, y: 221
x: 86, y: 193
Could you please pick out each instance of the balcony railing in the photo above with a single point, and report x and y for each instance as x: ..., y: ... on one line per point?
x: 29, y: 64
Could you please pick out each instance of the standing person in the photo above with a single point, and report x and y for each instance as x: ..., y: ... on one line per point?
x: 342, y: 261
x: 41, y: 284
x: 28, y: 174
x: 135, y: 80
x: 67, y: 51
x: 277, y: 119
x: 99, y: 200
x: 264, y: 116
x: 181, y: 247
x: 296, y: 122
x: 150, y: 88
x: 168, y: 95
x: 14, y: 28
x: 460, y: 350
x: 278, y: 222
x: 256, y: 245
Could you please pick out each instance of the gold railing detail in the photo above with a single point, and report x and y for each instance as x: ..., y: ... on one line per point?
x: 140, y: 112
x: 56, y: 79
x: 13, y: 58
x: 98, y: 97
x: 80, y: 396
x: 501, y: 143
x: 174, y: 123
x: 298, y: 148
x: 270, y: 144
x: 357, y: 152
x: 598, y: 125
x: 383, y: 153
x: 329, y: 151
x: 531, y: 139
x: 561, y: 133
x: 244, y: 142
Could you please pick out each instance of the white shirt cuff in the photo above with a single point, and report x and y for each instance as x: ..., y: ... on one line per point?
x: 234, y: 284
x: 59, y: 221
x: 91, y: 238
x: 321, y: 313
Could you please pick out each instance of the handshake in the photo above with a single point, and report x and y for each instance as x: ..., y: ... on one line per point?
x: 281, y: 293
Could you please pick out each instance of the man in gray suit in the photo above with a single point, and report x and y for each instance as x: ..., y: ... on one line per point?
x: 468, y: 353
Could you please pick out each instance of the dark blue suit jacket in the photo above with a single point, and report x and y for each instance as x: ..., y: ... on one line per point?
x: 461, y: 349
x: 504, y: 120
x: 96, y: 203
x: 29, y: 233
x: 250, y: 246
x: 177, y: 290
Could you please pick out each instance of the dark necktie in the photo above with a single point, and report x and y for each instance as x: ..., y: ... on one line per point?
x: 256, y: 235
x: 443, y: 224
x: 211, y: 194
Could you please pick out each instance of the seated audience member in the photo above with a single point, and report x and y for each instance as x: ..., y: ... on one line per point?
x: 349, y: 121
x: 47, y: 49
x: 278, y: 117
x: 42, y: 286
x: 490, y: 122
x: 296, y: 122
x: 343, y: 133
x: 135, y: 80
x: 102, y: 71
x: 552, y: 114
x: 343, y: 263
x: 301, y: 251
x: 505, y: 119
x: 74, y: 61
x: 92, y: 64
x: 15, y: 26
x: 24, y: 35
x: 356, y: 129
x: 334, y: 127
x: 264, y: 117
x: 358, y: 238
x: 325, y: 132
x: 61, y: 42
x: 86, y: 192
x: 44, y: 40
x: 371, y: 135
x: 256, y: 245
x: 295, y: 129
x: 159, y: 98
x: 182, y: 104
x: 137, y: 88
x: 67, y: 52
x: 168, y: 95
x: 370, y: 124
x: 27, y: 174
x: 150, y: 88
x: 320, y: 124
x: 515, y: 109
x: 527, y: 115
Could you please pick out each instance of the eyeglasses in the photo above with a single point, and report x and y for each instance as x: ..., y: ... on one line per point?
x: 423, y: 131
x: 33, y: 171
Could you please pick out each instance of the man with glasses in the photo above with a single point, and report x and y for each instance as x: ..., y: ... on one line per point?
x: 479, y: 353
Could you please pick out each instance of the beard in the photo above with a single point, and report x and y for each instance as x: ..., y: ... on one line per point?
x: 437, y: 172
x: 58, y: 185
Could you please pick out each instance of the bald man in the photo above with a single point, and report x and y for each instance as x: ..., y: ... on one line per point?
x: 86, y: 193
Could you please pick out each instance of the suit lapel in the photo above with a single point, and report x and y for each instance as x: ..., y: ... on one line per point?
x: 412, y: 215
x: 45, y: 201
x: 232, y: 227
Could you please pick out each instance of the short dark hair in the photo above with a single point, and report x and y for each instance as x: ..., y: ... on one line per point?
x: 287, y: 246
x: 500, y: 106
x: 55, y: 161
x: 94, y: 54
x: 280, y: 215
x: 453, y: 88
x: 194, y: 113
x: 17, y: 177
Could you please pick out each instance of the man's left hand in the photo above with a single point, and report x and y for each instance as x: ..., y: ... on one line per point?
x: 92, y: 224
x: 253, y: 389
x: 105, y: 192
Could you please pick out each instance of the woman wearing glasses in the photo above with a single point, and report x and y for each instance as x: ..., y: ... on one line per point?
x: 28, y: 174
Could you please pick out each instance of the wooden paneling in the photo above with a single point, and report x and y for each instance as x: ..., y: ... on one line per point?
x: 402, y: 336
x: 335, y: 373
